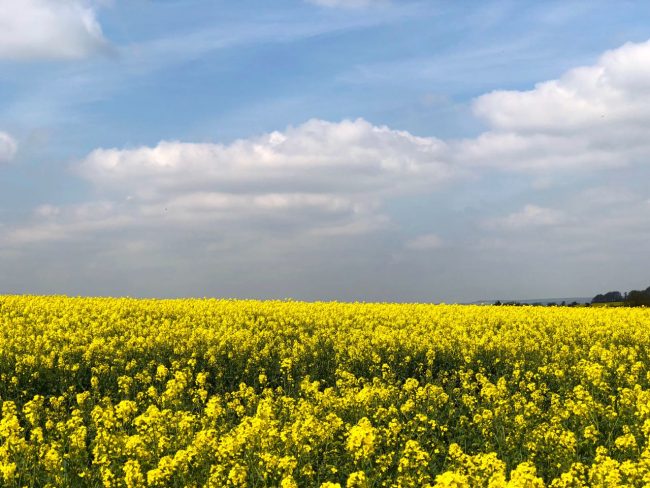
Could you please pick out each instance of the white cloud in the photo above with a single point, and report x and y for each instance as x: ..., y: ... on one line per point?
x: 320, y: 178
x: 49, y: 29
x: 587, y: 97
x: 425, y: 242
x: 529, y: 216
x: 351, y: 157
x: 348, y: 3
x: 8, y: 147
x: 591, y: 117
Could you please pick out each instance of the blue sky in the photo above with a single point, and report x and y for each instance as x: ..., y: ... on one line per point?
x: 324, y: 149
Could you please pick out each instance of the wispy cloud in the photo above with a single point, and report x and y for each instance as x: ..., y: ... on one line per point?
x: 529, y: 216
x: 132, y: 64
x: 352, y: 4
x: 264, y: 28
x: 424, y: 242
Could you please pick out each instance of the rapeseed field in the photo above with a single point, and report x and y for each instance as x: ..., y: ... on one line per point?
x: 187, y: 393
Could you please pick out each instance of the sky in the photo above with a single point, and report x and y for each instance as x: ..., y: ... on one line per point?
x: 354, y: 150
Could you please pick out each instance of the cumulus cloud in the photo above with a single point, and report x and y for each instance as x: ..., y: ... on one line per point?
x: 348, y: 3
x: 320, y: 177
x: 591, y: 117
x: 49, y: 29
x: 317, y: 157
x: 8, y: 147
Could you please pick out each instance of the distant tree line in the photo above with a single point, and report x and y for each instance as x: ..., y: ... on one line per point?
x: 634, y: 298
x: 540, y: 304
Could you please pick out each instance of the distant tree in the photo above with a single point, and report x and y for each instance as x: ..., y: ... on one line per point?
x: 609, y: 297
x: 637, y: 298
x: 614, y: 296
x: 563, y: 304
x: 551, y: 304
x: 498, y: 302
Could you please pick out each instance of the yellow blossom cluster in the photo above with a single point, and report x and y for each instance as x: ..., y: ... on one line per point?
x: 226, y: 393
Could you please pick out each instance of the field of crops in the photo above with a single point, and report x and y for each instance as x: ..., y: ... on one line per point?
x: 120, y: 392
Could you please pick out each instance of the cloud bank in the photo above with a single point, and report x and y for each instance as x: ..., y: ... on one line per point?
x: 49, y: 29
x: 320, y: 177
x: 329, y: 178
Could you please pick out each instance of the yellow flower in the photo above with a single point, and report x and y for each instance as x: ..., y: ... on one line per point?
x: 450, y: 479
x: 133, y: 477
x: 357, y: 480
x: 361, y: 439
